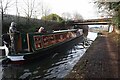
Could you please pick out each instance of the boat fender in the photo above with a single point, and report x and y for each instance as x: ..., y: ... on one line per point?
x: 5, y: 62
x: 6, y: 49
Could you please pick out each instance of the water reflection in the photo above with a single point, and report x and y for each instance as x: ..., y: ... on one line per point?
x: 52, y: 66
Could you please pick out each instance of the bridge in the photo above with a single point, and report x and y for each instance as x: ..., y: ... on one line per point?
x: 103, y: 21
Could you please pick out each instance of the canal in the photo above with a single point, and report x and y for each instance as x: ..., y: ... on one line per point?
x: 57, y: 65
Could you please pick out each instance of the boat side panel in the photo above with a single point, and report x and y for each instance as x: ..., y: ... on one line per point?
x: 48, y: 40
x: 47, y: 50
x: 24, y: 41
x: 39, y: 41
x: 35, y: 41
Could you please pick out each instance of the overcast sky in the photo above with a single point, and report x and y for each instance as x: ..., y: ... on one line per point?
x: 83, y: 7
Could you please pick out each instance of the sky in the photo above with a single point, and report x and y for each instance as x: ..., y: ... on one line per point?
x: 84, y: 7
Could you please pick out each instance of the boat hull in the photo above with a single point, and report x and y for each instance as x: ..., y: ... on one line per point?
x: 34, y: 45
x: 44, y: 52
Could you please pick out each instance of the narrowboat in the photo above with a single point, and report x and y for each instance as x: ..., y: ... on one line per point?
x: 31, y: 45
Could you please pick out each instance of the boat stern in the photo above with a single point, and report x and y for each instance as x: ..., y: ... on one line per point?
x: 16, y: 58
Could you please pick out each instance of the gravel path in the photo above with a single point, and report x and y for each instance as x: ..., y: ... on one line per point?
x: 99, y: 61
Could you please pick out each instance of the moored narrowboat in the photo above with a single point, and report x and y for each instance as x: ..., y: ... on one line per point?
x: 31, y: 45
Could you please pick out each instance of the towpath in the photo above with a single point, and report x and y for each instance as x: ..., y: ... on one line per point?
x: 101, y: 60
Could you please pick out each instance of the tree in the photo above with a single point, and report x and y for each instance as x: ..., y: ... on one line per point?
x: 4, y: 5
x: 56, y: 20
x: 110, y: 8
x: 77, y: 16
x: 66, y: 16
x: 116, y: 8
x: 29, y: 9
x: 53, y: 17
x: 45, y: 10
x: 0, y: 29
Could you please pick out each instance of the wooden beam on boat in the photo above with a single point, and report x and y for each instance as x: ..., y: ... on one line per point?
x: 28, y: 42
x: 19, y: 43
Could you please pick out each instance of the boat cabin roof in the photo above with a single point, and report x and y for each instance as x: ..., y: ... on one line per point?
x: 64, y: 30
x: 54, y: 32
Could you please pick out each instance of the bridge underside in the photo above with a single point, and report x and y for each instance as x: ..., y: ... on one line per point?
x: 92, y: 23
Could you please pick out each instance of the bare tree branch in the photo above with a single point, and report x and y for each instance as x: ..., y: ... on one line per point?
x: 25, y: 12
x: 30, y: 4
x: 32, y: 7
x: 77, y: 16
x: 1, y: 7
x: 8, y: 4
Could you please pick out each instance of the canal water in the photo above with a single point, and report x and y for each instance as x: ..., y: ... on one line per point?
x: 57, y: 65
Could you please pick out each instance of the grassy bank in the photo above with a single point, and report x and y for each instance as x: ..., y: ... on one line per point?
x: 115, y: 37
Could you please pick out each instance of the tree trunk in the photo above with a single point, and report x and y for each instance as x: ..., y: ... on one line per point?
x: 1, y: 23
x: 113, y: 28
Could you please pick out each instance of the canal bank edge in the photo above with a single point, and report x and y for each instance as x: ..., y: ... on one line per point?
x: 100, y: 60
